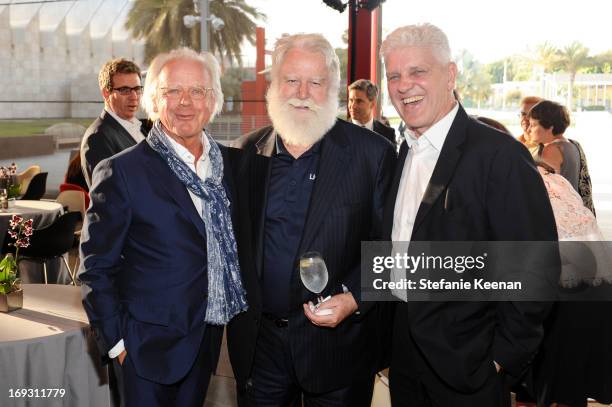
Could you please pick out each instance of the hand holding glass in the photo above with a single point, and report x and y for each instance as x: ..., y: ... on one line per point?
x: 313, y: 273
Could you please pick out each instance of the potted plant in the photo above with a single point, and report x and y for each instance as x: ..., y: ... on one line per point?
x: 11, y: 294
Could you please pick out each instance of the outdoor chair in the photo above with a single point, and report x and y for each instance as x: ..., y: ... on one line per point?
x: 53, y: 241
x: 25, y: 177
x: 66, y: 186
x: 74, y: 201
x: 37, y: 187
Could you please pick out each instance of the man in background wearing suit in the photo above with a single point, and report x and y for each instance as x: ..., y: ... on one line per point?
x: 159, y: 262
x: 361, y: 103
x: 457, y: 180
x: 310, y: 183
x: 117, y: 128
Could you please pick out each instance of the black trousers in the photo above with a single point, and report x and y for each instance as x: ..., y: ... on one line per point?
x: 190, y: 391
x: 274, y: 382
x: 413, y: 383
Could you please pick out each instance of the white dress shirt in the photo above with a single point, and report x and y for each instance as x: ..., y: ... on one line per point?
x: 369, y: 125
x: 132, y: 126
x: 418, y: 168
x: 202, y: 168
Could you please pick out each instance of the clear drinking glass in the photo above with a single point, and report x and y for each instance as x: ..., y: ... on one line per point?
x: 313, y: 273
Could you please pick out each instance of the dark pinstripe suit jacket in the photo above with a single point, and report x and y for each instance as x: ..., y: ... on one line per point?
x: 385, y: 131
x: 346, y: 207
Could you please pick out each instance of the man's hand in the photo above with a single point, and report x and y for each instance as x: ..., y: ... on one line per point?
x: 341, y: 305
x: 121, y: 357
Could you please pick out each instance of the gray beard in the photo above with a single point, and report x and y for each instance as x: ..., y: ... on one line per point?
x: 300, y: 131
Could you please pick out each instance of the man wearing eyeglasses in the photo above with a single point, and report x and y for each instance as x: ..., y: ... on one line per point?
x: 117, y: 128
x: 160, y: 267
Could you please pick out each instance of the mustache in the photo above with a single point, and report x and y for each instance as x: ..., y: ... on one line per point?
x: 308, y: 103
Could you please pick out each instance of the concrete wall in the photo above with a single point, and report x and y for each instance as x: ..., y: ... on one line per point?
x: 50, y: 57
x: 16, y: 147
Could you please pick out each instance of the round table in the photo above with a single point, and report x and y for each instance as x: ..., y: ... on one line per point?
x: 42, y: 213
x: 47, y: 345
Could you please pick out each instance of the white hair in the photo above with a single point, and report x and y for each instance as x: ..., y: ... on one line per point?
x: 418, y: 35
x: 209, y: 64
x: 315, y: 43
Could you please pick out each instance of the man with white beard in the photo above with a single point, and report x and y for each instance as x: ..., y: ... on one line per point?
x: 309, y: 183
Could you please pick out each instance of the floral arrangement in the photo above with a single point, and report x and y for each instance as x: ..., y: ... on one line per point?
x: 8, y: 171
x: 8, y: 180
x: 20, y: 231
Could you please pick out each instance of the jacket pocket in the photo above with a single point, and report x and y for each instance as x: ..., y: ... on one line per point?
x: 149, y: 313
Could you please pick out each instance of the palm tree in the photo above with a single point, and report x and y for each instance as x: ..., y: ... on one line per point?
x: 473, y: 80
x: 570, y: 59
x: 160, y: 24
x: 546, y: 55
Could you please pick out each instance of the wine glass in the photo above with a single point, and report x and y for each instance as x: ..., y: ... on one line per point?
x: 313, y: 273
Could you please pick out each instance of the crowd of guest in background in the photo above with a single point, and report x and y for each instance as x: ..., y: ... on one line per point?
x: 574, y: 359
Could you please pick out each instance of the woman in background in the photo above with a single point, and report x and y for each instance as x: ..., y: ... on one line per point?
x: 575, y: 359
x: 547, y: 123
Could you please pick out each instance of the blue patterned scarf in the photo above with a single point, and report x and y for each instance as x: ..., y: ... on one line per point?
x: 226, y: 297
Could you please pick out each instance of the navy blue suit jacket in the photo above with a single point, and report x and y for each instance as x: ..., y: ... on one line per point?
x: 144, y: 265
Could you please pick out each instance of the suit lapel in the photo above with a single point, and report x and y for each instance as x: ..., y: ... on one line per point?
x: 260, y: 174
x: 392, y: 198
x: 445, y: 166
x: 175, y: 188
x: 122, y: 135
x: 331, y: 171
x: 256, y: 169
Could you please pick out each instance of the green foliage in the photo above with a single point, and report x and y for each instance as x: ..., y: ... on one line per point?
x: 600, y: 63
x: 594, y: 108
x: 14, y: 191
x: 547, y: 56
x: 8, y: 271
x: 231, y: 82
x: 518, y: 68
x: 496, y: 71
x: 473, y: 80
x: 573, y: 57
x: 14, y: 128
x: 160, y: 24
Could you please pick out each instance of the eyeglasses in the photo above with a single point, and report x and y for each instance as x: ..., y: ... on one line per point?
x: 195, y: 92
x: 126, y: 90
x: 523, y: 114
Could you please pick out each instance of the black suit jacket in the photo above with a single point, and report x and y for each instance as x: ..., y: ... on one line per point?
x: 484, y: 188
x: 385, y: 131
x: 346, y: 207
x: 104, y: 138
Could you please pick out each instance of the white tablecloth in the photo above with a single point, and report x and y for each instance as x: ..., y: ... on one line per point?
x: 43, y: 213
x: 47, y: 345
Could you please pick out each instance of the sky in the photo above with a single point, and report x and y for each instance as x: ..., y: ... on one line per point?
x: 489, y: 29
